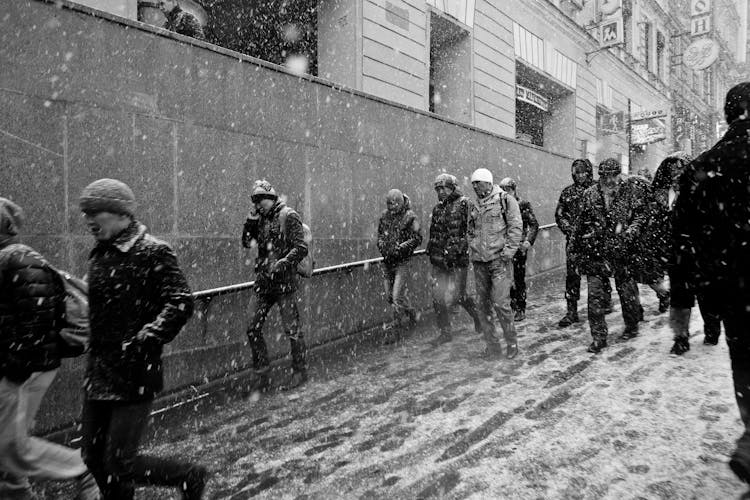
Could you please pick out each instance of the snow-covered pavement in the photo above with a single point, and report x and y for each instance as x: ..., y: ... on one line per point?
x: 414, y: 421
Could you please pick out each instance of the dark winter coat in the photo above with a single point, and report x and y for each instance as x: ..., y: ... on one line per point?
x: 399, y: 234
x: 184, y: 23
x: 448, y: 246
x: 135, y: 287
x: 569, y: 207
x: 530, y: 224
x: 279, y: 251
x: 31, y: 299
x: 652, y: 254
x: 711, y: 234
x: 605, y: 238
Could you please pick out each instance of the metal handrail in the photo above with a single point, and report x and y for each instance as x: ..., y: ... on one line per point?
x: 238, y: 287
x: 213, y: 292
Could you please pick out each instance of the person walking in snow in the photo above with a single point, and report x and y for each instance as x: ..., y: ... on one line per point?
x: 613, y: 215
x: 280, y: 250
x: 139, y: 300
x: 31, y: 316
x: 567, y: 214
x: 528, y: 237
x: 666, y: 187
x: 495, y: 230
x: 712, y: 244
x: 398, y: 236
x: 448, y: 249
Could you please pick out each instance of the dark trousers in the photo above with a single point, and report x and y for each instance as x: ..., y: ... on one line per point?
x: 290, y: 323
x: 112, y: 432
x: 737, y: 328
x: 573, y: 278
x: 518, y: 291
x: 709, y: 303
x: 599, y: 298
x: 449, y: 288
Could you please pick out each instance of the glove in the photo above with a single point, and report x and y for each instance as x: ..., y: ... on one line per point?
x: 279, y: 266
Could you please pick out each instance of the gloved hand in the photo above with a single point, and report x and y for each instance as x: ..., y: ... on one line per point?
x: 279, y: 266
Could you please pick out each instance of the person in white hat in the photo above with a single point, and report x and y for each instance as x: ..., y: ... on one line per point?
x: 495, y: 229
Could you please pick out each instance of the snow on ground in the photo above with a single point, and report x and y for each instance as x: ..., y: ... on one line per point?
x: 413, y: 421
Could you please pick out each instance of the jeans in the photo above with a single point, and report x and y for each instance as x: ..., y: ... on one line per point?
x: 112, y: 432
x: 289, y: 322
x: 518, y: 292
x: 449, y: 288
x: 599, y: 298
x: 493, y: 282
x: 573, y: 278
x: 23, y: 456
x: 394, y: 279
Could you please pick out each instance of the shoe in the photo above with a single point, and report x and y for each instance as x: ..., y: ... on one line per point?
x: 710, y: 339
x: 511, y: 351
x: 568, y: 320
x: 629, y: 333
x: 87, y: 487
x: 680, y: 347
x: 492, y: 352
x: 597, y: 346
x: 441, y: 339
x: 740, y: 466
x: 192, y: 488
x: 298, y: 378
x: 664, y: 303
x: 519, y: 316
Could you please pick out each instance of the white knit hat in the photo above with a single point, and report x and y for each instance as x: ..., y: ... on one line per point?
x: 482, y: 175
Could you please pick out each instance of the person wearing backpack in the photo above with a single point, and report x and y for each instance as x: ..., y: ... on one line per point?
x: 495, y: 229
x: 279, y: 236
x: 139, y: 300
x: 30, y: 319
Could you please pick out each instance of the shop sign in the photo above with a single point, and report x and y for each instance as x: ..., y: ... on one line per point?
x: 701, y: 54
x: 645, y: 115
x: 700, y: 7
x: 612, y: 32
x: 529, y: 96
x: 700, y: 25
x: 610, y: 123
x: 648, y: 131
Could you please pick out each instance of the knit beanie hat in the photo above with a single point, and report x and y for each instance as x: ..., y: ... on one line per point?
x: 107, y: 195
x: 262, y: 189
x: 585, y: 163
x: 610, y: 166
x: 482, y: 175
x: 737, y: 104
x: 446, y: 180
x: 11, y: 217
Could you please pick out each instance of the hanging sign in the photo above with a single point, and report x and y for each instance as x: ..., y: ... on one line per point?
x: 611, y: 32
x: 531, y: 97
x: 610, y: 123
x: 701, y: 54
x: 646, y: 115
x: 700, y: 7
x: 648, y: 130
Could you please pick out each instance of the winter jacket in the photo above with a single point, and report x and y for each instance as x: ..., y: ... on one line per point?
x: 135, y: 287
x: 653, y: 250
x: 711, y: 234
x: 605, y: 238
x: 530, y: 224
x: 448, y: 246
x: 184, y: 23
x: 495, y: 227
x: 399, y: 234
x: 279, y: 251
x: 569, y: 207
x: 31, y: 312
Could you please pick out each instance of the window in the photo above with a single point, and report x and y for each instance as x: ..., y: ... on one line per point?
x: 646, y: 44
x: 528, y: 46
x: 660, y: 49
x: 450, y: 69
x: 462, y: 10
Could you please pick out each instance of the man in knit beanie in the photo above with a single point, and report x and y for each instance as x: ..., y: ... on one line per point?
x: 276, y: 231
x: 139, y: 300
x: 30, y: 300
x: 711, y: 244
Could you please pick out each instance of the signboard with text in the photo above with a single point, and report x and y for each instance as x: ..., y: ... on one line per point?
x: 701, y: 54
x: 531, y: 97
x: 700, y: 7
x: 648, y: 130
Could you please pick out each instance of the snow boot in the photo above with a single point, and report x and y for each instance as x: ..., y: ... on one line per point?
x: 571, y: 316
x: 511, y: 351
x: 597, y: 346
x: 629, y: 333
x: 681, y: 346
x: 711, y: 334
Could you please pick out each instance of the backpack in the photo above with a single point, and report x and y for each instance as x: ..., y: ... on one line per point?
x: 306, y: 265
x: 75, y: 332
